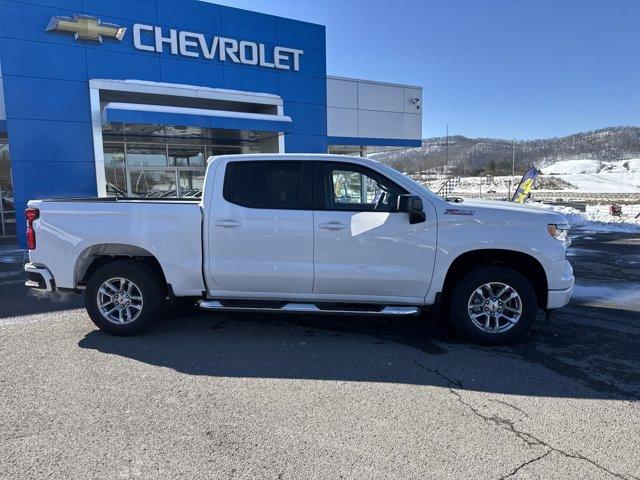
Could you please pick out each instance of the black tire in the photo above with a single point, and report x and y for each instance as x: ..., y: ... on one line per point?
x: 148, y: 283
x: 470, y: 283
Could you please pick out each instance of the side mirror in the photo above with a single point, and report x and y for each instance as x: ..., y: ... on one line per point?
x: 412, y: 204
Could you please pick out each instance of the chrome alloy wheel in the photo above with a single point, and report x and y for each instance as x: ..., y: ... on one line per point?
x: 495, y: 307
x: 119, y: 300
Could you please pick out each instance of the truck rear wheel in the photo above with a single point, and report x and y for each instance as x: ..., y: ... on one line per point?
x: 124, y: 297
x: 493, y: 305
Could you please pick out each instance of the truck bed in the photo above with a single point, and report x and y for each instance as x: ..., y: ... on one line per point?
x: 121, y: 200
x: 81, y: 228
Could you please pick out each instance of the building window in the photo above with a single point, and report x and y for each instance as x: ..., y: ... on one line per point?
x: 114, y: 169
x: 7, y: 204
x: 361, y: 150
x: 351, y: 150
x: 169, y: 161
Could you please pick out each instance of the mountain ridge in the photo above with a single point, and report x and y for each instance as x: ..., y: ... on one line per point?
x: 493, y: 156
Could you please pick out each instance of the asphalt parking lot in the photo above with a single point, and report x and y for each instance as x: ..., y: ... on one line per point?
x: 273, y: 396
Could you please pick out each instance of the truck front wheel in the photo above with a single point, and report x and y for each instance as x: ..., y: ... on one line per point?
x: 124, y: 297
x: 493, y: 305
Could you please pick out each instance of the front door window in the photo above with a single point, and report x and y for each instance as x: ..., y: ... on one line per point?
x: 357, y: 188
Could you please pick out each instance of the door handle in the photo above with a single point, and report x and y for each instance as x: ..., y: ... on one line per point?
x: 332, y: 226
x: 226, y: 223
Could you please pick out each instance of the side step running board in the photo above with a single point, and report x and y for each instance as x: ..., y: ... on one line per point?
x: 307, y: 308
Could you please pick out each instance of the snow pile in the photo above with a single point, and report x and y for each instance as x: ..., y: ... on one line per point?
x: 596, y: 219
x: 566, y: 167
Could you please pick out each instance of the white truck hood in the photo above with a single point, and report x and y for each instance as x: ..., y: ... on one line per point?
x: 509, y: 208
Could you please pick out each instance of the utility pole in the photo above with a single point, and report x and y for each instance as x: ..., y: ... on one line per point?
x: 513, y: 166
x: 447, y: 146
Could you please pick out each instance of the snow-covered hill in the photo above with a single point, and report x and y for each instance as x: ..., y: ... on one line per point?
x: 587, y: 175
x: 464, y: 156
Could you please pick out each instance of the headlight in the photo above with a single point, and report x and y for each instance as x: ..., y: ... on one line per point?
x: 559, y: 231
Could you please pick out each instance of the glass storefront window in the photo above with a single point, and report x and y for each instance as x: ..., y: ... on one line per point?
x: 215, y: 150
x: 362, y: 150
x: 183, y: 157
x: 146, y: 156
x: 115, y: 171
x: 153, y: 183
x: 178, y: 134
x: 7, y: 204
x: 144, y: 133
x: 113, y: 132
x: 9, y: 223
x: 191, y: 183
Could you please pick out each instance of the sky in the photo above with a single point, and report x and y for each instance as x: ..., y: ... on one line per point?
x: 489, y: 68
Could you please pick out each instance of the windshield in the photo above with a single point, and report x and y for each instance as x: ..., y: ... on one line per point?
x: 395, y: 173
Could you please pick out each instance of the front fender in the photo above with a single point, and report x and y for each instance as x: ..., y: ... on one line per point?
x: 458, y: 236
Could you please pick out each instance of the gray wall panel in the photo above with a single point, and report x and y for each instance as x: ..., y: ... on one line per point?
x: 371, y: 110
x: 342, y: 122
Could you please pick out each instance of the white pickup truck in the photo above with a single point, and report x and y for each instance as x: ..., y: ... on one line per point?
x: 304, y: 233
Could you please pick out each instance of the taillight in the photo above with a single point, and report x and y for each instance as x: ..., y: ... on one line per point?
x: 31, y: 214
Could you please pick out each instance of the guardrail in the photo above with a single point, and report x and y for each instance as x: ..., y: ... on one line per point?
x: 563, y: 196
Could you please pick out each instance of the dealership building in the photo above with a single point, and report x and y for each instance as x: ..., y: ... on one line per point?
x: 121, y: 97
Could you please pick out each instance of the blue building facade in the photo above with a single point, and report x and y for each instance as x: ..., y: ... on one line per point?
x: 84, y: 80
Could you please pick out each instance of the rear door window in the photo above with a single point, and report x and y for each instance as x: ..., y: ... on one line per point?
x: 284, y: 185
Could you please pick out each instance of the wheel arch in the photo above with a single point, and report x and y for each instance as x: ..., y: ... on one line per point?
x: 96, y: 256
x: 525, y: 264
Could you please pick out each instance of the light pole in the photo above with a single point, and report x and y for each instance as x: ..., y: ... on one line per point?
x: 513, y: 166
x: 447, y: 144
x: 513, y: 159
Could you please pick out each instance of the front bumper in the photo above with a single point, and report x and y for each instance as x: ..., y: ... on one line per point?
x: 559, y: 298
x: 40, y: 278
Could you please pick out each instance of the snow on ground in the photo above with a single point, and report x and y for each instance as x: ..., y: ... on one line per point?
x: 598, y: 218
x: 567, y: 167
x: 621, y: 176
x: 605, y: 182
x: 572, y: 167
x: 623, y: 295
x: 582, y: 175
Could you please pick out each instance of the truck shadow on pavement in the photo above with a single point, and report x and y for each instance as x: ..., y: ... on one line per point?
x: 569, y: 356
x: 18, y: 300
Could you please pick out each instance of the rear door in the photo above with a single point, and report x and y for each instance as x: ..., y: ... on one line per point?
x: 363, y: 246
x: 261, y: 227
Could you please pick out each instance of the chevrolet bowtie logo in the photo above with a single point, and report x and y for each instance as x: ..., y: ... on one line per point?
x: 86, y: 28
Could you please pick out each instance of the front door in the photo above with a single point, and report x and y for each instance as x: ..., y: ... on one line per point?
x: 261, y: 228
x: 362, y: 246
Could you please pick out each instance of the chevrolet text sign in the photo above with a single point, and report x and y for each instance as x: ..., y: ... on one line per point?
x: 149, y: 38
x: 188, y: 44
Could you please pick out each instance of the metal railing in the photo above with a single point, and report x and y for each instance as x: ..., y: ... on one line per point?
x: 448, y: 187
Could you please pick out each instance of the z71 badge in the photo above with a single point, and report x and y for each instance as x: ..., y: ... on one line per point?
x: 458, y: 211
